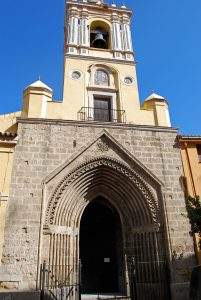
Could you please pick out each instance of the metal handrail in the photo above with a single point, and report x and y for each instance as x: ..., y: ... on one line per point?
x: 102, y: 115
x: 51, y: 283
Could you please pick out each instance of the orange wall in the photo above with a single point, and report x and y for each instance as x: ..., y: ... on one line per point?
x: 192, y: 172
x: 192, y: 166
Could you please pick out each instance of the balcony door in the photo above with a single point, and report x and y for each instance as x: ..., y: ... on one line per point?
x: 102, y: 109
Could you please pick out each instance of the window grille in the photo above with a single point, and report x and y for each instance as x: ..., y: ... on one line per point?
x: 101, y: 78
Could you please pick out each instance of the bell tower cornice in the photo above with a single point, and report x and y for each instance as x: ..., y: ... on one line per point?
x: 98, y: 5
x: 97, y: 29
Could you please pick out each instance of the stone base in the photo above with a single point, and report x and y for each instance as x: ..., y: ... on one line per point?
x: 180, y: 291
x: 20, y: 295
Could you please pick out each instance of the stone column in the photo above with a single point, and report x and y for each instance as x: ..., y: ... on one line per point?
x: 127, y: 35
x: 84, y: 33
x: 75, y: 37
x: 116, y: 36
x: 73, y: 31
x: 127, y: 38
x: 70, y: 31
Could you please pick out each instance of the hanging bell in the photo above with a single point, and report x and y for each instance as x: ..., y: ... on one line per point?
x: 99, y: 41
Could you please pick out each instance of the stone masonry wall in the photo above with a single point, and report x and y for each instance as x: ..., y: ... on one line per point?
x: 44, y: 146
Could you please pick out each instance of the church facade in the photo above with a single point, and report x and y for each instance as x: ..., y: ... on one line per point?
x: 96, y: 177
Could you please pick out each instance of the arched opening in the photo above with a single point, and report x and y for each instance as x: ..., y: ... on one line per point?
x: 99, y: 35
x: 118, y: 236
x: 101, y: 249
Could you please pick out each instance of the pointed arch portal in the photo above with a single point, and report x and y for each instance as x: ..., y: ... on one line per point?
x: 104, y: 213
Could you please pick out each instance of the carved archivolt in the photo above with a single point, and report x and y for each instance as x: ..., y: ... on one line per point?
x: 127, y: 185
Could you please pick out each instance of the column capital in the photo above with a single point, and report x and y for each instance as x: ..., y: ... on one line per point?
x: 115, y: 17
x: 85, y: 14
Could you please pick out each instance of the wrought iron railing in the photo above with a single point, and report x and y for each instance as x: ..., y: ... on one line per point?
x: 149, y: 280
x: 102, y: 115
x: 60, y: 282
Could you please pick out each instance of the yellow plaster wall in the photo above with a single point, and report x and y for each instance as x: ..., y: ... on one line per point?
x: 3, y: 206
x: 192, y: 168
x: 75, y: 95
x: 8, y: 122
x: 55, y: 110
x: 75, y: 91
x: 6, y: 160
x: 35, y: 103
x: 192, y: 173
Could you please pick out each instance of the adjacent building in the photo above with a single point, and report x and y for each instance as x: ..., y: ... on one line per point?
x: 191, y: 158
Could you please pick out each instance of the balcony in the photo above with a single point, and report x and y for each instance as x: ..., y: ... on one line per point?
x: 101, y: 115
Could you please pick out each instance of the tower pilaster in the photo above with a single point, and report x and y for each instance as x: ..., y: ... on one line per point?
x: 73, y: 30
x: 128, y: 45
x: 117, y: 36
x: 84, y: 32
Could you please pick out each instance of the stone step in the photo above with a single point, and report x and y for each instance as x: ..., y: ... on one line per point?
x: 33, y: 295
x: 104, y: 297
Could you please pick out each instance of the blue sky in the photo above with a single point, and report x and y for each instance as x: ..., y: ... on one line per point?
x: 167, y: 43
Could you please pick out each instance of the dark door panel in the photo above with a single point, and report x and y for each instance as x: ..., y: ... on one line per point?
x: 102, y: 109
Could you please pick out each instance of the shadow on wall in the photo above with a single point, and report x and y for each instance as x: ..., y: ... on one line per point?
x: 181, y: 269
x: 20, y: 295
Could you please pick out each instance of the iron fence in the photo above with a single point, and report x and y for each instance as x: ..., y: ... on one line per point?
x: 58, y: 282
x: 149, y: 280
x: 102, y: 115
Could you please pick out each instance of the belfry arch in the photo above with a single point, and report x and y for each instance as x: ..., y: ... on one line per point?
x: 135, y: 202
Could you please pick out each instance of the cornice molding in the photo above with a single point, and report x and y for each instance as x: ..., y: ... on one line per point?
x: 99, y: 59
x: 3, y: 198
x: 104, y: 7
x: 97, y: 124
x: 8, y: 139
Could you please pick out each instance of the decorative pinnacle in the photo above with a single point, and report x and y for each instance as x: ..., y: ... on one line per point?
x: 123, y: 4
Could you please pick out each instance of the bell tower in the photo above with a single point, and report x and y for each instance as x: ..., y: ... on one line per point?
x: 94, y: 25
x: 100, y: 81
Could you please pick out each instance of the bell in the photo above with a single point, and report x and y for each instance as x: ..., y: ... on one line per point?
x: 99, y: 41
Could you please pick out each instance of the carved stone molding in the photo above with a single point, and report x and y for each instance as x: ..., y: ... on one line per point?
x: 102, y: 146
x: 80, y: 171
x: 63, y: 230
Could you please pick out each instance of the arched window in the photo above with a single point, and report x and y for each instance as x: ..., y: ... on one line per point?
x: 101, y: 78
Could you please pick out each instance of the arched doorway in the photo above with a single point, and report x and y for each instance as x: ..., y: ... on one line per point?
x: 129, y: 210
x: 101, y: 249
